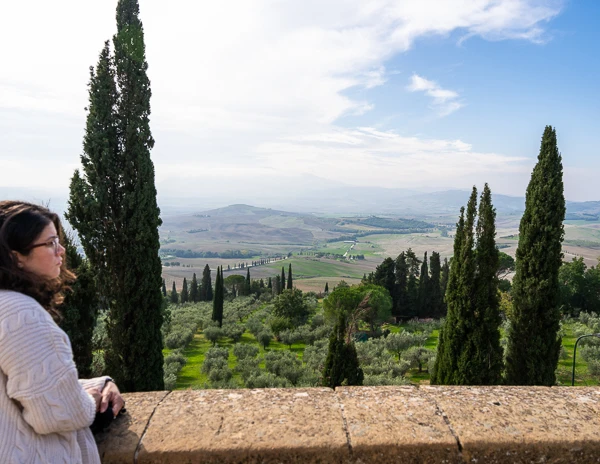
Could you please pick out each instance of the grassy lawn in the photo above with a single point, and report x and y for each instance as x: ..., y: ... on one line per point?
x: 565, y: 366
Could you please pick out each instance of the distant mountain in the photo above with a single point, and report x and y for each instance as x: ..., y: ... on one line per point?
x: 244, y: 210
x: 311, y: 194
x: 585, y: 210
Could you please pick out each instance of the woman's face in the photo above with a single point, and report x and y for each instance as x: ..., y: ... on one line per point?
x: 45, y: 258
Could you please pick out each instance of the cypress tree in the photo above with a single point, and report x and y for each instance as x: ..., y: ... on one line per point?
x: 164, y: 288
x: 444, y: 284
x: 247, y: 283
x: 217, y: 314
x: 401, y: 285
x: 290, y: 285
x: 174, y: 295
x: 276, y: 285
x: 79, y: 309
x: 326, y: 287
x: 434, y: 291
x: 341, y: 364
x: 194, y: 291
x: 486, y: 358
x: 270, y: 285
x: 385, y: 276
x: 452, y: 363
x: 206, y: 292
x: 115, y: 201
x: 424, y: 309
x: 282, y: 280
x: 533, y: 341
x: 184, y: 291
x: 412, y: 286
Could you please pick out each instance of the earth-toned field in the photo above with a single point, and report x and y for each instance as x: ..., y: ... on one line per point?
x: 316, y: 245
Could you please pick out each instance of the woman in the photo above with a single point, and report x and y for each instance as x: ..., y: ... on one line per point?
x: 45, y: 412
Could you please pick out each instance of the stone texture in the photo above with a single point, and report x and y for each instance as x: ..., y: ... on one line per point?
x: 523, y: 424
x: 246, y: 426
x: 359, y: 425
x: 396, y: 424
x: 118, y: 443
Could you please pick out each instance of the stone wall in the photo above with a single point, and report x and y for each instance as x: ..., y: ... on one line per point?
x: 358, y: 425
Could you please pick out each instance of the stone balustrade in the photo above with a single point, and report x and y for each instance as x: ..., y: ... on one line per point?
x: 403, y: 424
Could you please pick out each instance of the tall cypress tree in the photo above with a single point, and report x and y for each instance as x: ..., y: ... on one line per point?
x: 270, y: 284
x: 282, y: 280
x: 206, y: 291
x: 486, y: 359
x: 341, y: 364
x: 444, y: 284
x: 401, y: 305
x: 434, y: 292
x: 184, y: 291
x: 386, y: 277
x: 113, y: 206
x: 412, y: 286
x: 247, y: 283
x: 194, y: 291
x: 326, y: 287
x: 533, y: 340
x: 174, y: 294
x: 424, y: 309
x: 217, y: 314
x: 80, y: 308
x: 452, y: 362
x: 164, y: 288
x: 290, y: 284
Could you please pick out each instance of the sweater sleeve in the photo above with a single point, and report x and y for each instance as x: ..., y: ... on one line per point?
x: 37, y: 360
x: 96, y: 382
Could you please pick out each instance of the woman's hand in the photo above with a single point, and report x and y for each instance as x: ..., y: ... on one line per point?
x: 112, y: 395
x: 97, y: 395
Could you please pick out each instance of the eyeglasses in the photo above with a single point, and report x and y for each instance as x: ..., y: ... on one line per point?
x: 52, y: 242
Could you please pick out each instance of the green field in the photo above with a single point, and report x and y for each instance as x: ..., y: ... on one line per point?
x: 191, y: 376
x: 565, y: 366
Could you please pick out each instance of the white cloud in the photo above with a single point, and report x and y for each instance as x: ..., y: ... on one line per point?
x: 232, y: 80
x: 444, y: 101
x: 369, y: 157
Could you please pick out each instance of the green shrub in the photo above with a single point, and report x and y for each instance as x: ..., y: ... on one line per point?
x: 264, y: 337
x: 284, y: 364
x: 402, y: 341
x: 212, y: 334
x: 245, y: 350
x: 288, y: 337
x: 170, y: 381
x: 315, y: 355
x: 383, y: 379
x: 248, y: 367
x: 215, y: 358
x: 267, y: 380
x: 417, y: 356
x: 234, y: 331
x: 179, y: 337
x: 176, y: 356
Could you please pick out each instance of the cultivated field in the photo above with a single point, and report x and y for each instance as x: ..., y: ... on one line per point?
x: 260, y: 233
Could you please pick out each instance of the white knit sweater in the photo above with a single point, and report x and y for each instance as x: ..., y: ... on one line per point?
x: 45, y: 412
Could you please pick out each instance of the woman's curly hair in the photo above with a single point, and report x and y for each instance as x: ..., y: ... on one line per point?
x: 21, y: 223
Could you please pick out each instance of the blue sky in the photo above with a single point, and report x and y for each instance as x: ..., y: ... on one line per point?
x: 424, y: 95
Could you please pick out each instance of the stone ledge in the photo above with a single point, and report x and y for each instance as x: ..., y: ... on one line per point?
x: 358, y: 425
